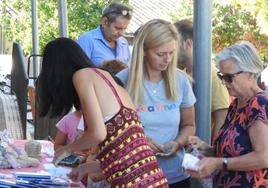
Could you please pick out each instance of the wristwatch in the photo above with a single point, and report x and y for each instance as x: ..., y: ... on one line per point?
x: 225, y: 163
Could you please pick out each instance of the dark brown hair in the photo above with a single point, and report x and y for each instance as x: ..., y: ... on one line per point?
x: 113, y: 66
x: 185, y: 29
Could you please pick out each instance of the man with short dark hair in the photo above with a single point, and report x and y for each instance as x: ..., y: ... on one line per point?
x: 106, y: 42
x: 220, y: 97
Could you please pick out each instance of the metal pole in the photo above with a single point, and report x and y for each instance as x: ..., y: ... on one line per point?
x: 63, y: 20
x: 2, y: 38
x: 202, y: 67
x: 35, y: 38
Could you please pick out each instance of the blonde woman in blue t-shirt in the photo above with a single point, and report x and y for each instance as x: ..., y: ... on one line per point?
x: 163, y: 96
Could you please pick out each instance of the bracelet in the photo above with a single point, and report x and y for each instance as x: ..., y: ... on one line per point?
x: 225, y: 164
x: 179, y: 145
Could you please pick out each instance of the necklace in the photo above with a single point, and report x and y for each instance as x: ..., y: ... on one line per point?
x: 154, y: 87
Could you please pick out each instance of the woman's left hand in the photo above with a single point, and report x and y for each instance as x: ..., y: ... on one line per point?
x: 79, y: 172
x: 169, y: 149
x: 206, y: 167
x: 61, y: 153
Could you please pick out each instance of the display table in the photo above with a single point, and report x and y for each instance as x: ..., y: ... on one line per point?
x: 45, y: 166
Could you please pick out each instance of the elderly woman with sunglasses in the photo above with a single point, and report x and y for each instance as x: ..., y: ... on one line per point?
x: 241, y: 146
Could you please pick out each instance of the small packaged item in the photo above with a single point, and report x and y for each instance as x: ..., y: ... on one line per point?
x: 32, y: 175
x: 167, y: 149
x: 40, y: 180
x: 204, y: 182
x: 7, y: 183
x: 72, y: 161
x: 33, y: 148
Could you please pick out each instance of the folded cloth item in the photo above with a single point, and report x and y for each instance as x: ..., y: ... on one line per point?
x: 33, y: 148
x: 189, y: 162
x: 12, y: 156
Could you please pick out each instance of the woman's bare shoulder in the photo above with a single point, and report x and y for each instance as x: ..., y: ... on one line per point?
x: 90, y: 72
x: 84, y: 74
x: 82, y: 71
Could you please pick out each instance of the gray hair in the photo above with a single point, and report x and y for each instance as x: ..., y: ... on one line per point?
x: 116, y: 9
x: 245, y: 56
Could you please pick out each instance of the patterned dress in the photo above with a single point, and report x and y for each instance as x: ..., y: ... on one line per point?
x: 233, y: 140
x: 125, y: 156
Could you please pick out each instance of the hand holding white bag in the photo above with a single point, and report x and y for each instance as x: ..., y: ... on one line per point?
x: 190, y: 162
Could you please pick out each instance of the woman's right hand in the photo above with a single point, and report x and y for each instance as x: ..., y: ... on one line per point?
x: 91, y: 168
x: 196, y: 142
x: 156, y: 147
x: 61, y: 153
x: 200, y: 145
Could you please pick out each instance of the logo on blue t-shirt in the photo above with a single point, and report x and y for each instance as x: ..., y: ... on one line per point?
x: 157, y: 107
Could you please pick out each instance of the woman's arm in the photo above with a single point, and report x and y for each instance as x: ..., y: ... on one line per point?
x: 96, y: 131
x: 218, y: 120
x: 90, y: 168
x: 187, y: 126
x: 257, y: 159
x: 60, y: 139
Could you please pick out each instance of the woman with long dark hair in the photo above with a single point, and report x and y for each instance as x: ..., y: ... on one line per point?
x: 69, y: 78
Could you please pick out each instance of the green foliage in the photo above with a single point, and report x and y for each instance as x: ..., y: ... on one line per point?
x: 185, y: 11
x: 83, y: 15
x: 16, y: 21
x: 232, y: 22
x: 48, y: 26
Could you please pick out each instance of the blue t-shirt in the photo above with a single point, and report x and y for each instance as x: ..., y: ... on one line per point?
x: 98, y: 49
x: 160, y: 118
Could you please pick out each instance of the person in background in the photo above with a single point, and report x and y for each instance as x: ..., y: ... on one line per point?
x: 67, y: 130
x: 113, y: 66
x: 115, y: 128
x: 106, y: 41
x: 162, y: 95
x: 241, y: 155
x: 219, y: 94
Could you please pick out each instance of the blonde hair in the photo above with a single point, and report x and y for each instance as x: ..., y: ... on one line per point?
x: 152, y: 35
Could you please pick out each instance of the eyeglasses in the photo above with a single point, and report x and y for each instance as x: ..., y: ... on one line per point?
x: 228, y: 77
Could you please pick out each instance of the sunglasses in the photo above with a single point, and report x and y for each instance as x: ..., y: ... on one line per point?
x: 123, y: 12
x: 228, y: 77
